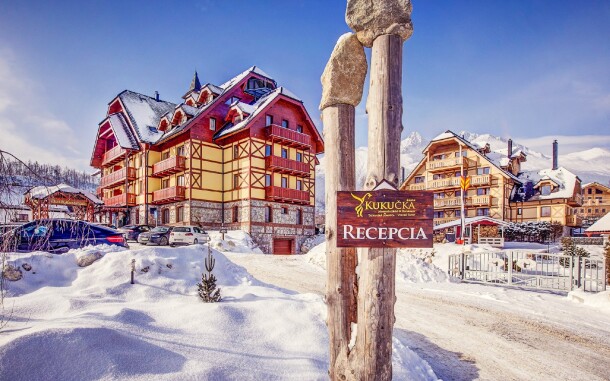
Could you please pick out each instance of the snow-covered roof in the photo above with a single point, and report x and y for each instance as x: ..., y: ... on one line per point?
x: 242, y: 75
x: 122, y: 133
x: 44, y: 191
x: 471, y: 221
x: 596, y: 184
x: 145, y: 112
x: 444, y: 135
x: 601, y: 225
x: 258, y: 106
x: 565, y: 180
x: 245, y: 107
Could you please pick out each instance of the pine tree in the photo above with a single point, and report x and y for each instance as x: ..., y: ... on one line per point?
x: 207, y: 288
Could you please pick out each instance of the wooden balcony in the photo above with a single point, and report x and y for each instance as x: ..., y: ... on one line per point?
x: 574, y: 221
x: 114, y: 155
x: 168, y: 166
x: 449, y: 202
x: 442, y: 165
x: 417, y: 187
x: 121, y: 200
x: 479, y: 200
x: 577, y: 200
x: 167, y: 195
x: 450, y: 182
x: 287, y: 195
x: 438, y: 221
x: 288, y: 136
x: 283, y: 165
x: 118, y: 177
x: 480, y: 180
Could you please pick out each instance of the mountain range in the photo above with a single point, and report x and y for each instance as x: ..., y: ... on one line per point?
x: 590, y: 165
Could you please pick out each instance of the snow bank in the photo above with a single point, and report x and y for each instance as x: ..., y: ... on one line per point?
x: 236, y: 241
x: 600, y: 300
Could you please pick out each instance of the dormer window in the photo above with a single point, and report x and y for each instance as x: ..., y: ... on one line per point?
x: 231, y: 100
x: 545, y: 190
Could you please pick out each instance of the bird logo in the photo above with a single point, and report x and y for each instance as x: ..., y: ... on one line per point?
x: 360, y: 208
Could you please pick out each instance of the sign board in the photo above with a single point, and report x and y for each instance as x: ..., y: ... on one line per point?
x: 53, y: 200
x: 385, y: 218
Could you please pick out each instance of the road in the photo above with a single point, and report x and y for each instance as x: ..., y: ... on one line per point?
x: 466, y: 336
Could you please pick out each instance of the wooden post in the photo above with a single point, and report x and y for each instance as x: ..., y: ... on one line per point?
x: 376, y: 296
x: 133, y: 270
x: 341, y: 282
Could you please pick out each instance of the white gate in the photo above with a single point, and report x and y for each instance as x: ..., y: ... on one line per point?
x: 530, y: 270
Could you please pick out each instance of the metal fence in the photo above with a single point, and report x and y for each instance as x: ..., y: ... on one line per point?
x: 588, y: 240
x: 530, y: 270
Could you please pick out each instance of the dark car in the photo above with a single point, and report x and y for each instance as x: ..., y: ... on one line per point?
x: 131, y: 232
x: 157, y: 236
x: 58, y: 236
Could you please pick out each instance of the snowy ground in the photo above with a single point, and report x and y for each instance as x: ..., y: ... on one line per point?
x: 71, y: 323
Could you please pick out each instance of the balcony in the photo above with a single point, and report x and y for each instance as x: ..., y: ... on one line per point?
x: 287, y: 195
x: 283, y: 165
x: 289, y: 137
x: 417, y: 187
x: 577, y: 200
x: 480, y: 180
x: 444, y: 220
x: 449, y: 202
x: 118, y: 177
x: 450, y: 182
x: 479, y: 200
x: 114, y: 155
x: 574, y: 221
x: 441, y: 165
x: 121, y: 200
x: 168, y: 166
x: 167, y: 195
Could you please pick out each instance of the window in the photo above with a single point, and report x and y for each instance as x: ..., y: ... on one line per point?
x: 419, y: 179
x: 268, y: 181
x: 284, y: 153
x: 165, y: 183
x: 180, y: 180
x: 603, y: 210
x: 458, y: 193
x: 180, y: 214
x: 236, y: 152
x: 299, y: 128
x: 483, y: 171
x: 464, y: 153
x: 439, y: 214
x: 589, y: 191
x: 545, y: 190
x: 284, y: 123
x: 299, y: 185
x: 458, y: 174
x: 22, y: 217
x: 140, y: 187
x: 268, y: 150
x: 482, y: 191
x: 268, y: 214
x: 598, y: 191
x: 235, y: 214
x: 213, y: 124
x: 299, y: 156
x: 180, y: 151
x: 231, y: 100
x: 284, y: 182
x: 483, y: 212
x: 284, y: 210
x: 458, y: 213
x: 438, y: 157
x: 165, y: 216
x: 589, y: 210
x: 268, y: 120
x: 519, y: 211
x: 235, y: 181
x: 165, y: 155
x: 299, y: 217
x: 439, y: 195
x: 545, y: 211
x: 437, y: 177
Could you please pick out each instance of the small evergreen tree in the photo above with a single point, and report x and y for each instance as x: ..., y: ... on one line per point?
x: 207, y: 288
x: 569, y: 248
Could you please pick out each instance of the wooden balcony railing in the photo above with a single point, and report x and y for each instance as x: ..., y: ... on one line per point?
x: 167, y: 195
x: 438, y: 221
x: 288, y: 136
x: 480, y: 180
x: 170, y: 165
x: 287, y: 195
x: 125, y: 199
x: 114, y: 155
x: 118, y: 177
x: 574, y: 221
x: 418, y: 186
x: 447, y: 202
x: 478, y: 200
x: 435, y: 165
x: 450, y: 182
x: 283, y: 165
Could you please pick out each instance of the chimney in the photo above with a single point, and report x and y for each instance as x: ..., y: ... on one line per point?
x: 555, y: 154
x: 509, y: 153
x: 157, y: 96
x: 402, y: 169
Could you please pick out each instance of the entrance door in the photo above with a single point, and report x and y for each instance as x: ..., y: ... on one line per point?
x: 282, y: 246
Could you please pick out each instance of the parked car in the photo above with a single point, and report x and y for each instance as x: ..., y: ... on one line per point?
x: 131, y: 232
x: 157, y: 236
x: 111, y: 226
x: 185, y: 235
x: 58, y: 235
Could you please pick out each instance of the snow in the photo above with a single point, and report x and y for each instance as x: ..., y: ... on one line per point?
x: 225, y: 86
x: 44, y: 191
x: 121, y: 132
x: 600, y: 300
x: 444, y: 135
x: 601, y: 225
x: 99, y: 326
x: 145, y: 112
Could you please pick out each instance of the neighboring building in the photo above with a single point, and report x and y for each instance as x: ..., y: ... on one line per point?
x: 596, y: 203
x: 240, y: 155
x: 19, y: 214
x: 499, y: 188
x: 600, y: 228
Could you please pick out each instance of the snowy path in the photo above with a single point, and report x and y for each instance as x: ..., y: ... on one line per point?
x: 471, y: 332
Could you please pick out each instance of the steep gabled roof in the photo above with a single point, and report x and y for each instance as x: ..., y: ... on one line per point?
x: 600, y: 226
x: 565, y: 180
x: 596, y: 184
x: 144, y: 114
x: 42, y: 191
x: 122, y: 132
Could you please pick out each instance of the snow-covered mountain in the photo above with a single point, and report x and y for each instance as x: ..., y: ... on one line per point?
x: 590, y: 165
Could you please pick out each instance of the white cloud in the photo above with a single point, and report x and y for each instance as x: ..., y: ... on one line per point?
x: 567, y: 143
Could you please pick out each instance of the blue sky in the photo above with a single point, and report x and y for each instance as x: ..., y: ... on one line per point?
x: 525, y: 69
